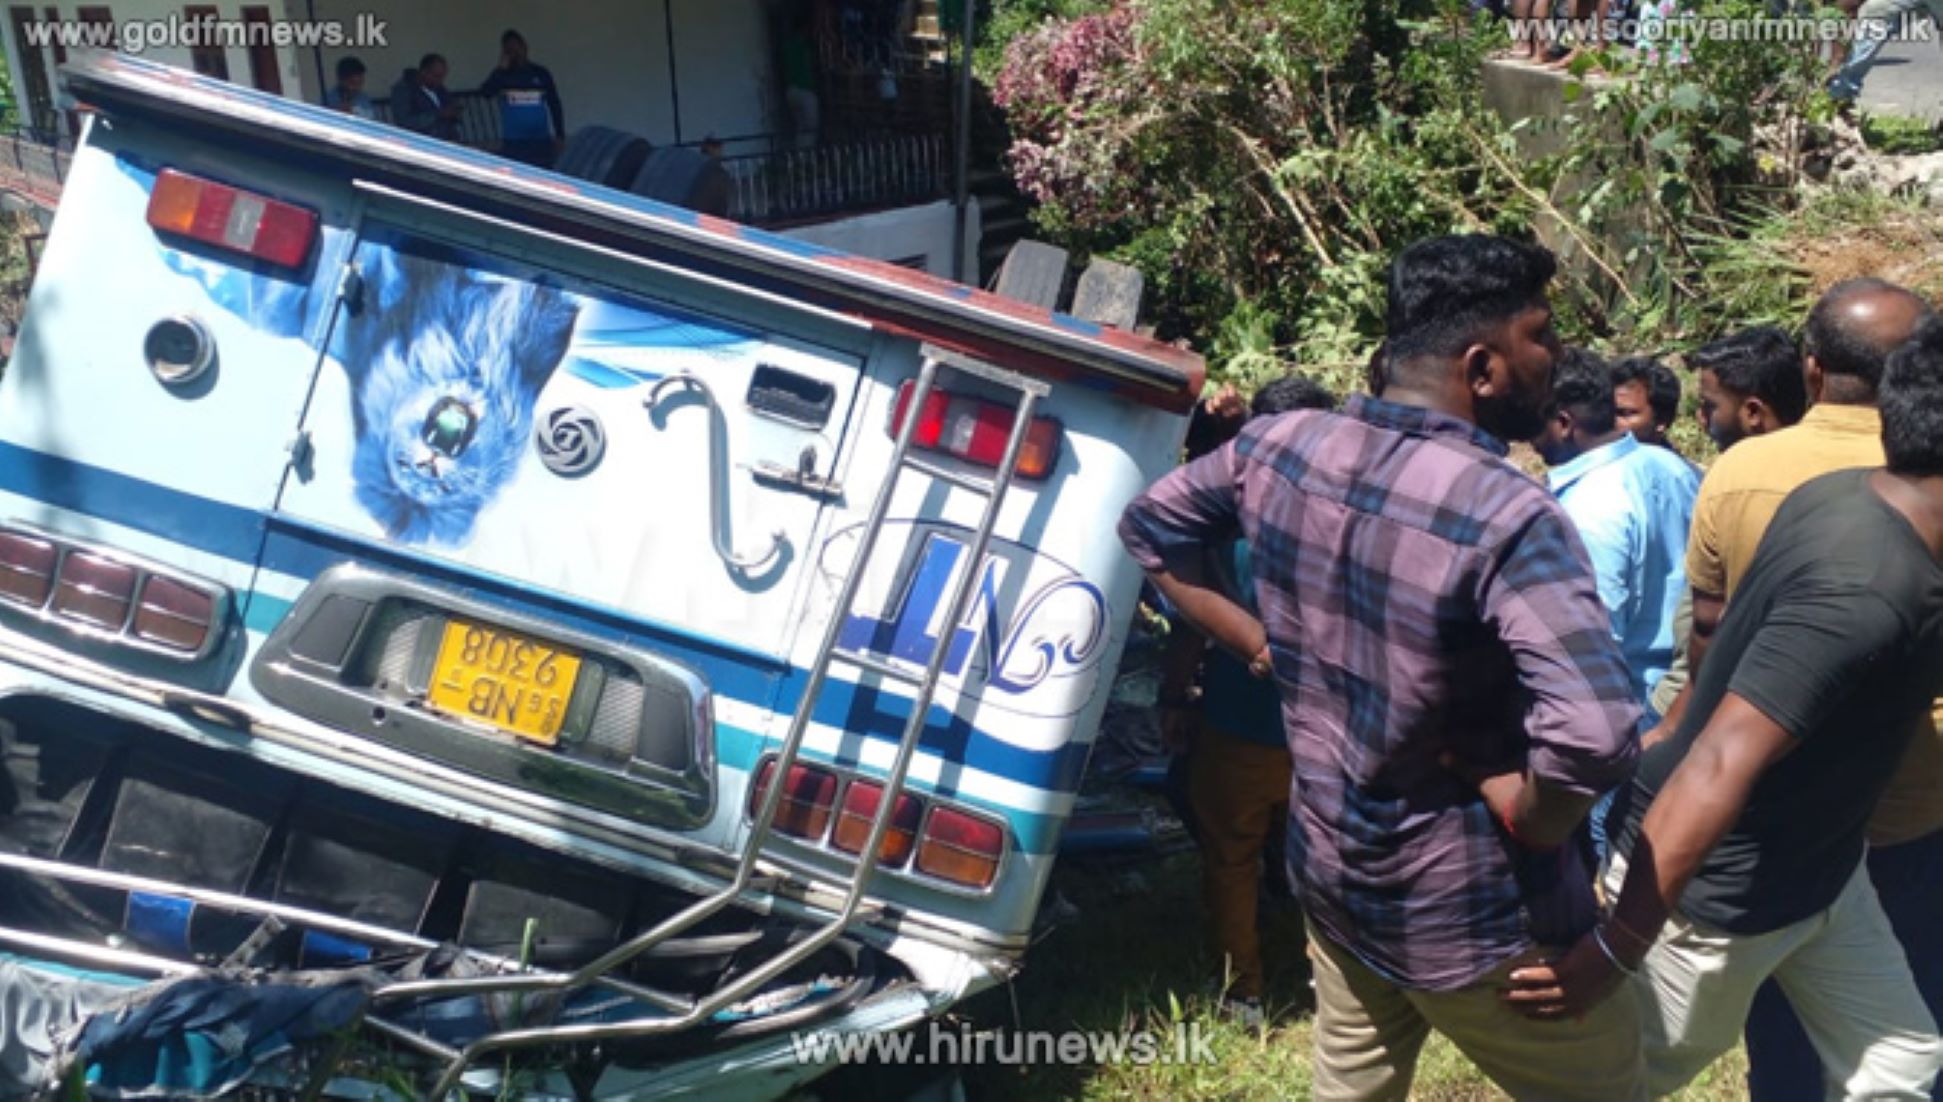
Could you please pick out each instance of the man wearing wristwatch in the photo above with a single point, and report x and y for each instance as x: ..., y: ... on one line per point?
x: 1744, y: 836
x: 1451, y: 693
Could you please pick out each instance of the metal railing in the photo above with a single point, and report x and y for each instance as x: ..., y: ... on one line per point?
x: 34, y: 164
x: 789, y: 185
x: 478, y: 118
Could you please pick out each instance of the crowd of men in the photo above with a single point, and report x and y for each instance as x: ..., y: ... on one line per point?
x: 1592, y: 775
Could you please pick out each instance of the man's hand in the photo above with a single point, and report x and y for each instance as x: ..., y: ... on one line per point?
x: 1565, y: 988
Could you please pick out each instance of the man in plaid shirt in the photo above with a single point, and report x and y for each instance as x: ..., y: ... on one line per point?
x: 1452, y: 696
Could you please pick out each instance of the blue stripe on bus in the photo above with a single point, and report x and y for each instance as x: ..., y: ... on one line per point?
x: 303, y: 552
x: 213, y: 526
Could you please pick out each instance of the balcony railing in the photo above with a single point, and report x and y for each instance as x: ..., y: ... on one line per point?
x: 790, y: 185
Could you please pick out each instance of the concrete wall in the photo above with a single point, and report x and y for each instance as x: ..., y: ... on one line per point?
x: 1517, y: 91
x: 918, y: 237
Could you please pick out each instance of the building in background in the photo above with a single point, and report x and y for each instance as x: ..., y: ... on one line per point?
x: 708, y: 75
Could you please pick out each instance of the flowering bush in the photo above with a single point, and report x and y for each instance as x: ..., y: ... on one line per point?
x: 1261, y: 163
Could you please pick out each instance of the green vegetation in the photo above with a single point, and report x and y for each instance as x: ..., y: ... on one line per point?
x: 1896, y: 134
x: 1262, y: 163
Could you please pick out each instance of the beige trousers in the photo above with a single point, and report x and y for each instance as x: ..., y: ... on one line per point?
x: 1369, y: 1032
x: 1843, y: 970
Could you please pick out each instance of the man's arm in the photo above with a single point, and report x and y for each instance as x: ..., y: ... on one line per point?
x: 1582, y: 719
x: 1699, y: 804
x: 1168, y: 530
x: 554, y: 106
x: 1804, y: 663
x: 1708, y: 611
x: 1707, y: 578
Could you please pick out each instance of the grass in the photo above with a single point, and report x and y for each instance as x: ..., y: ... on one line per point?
x: 1135, y: 959
x: 1900, y: 134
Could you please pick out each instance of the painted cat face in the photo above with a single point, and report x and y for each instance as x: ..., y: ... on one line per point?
x: 445, y: 366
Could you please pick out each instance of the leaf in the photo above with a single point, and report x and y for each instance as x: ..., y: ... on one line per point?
x: 1687, y: 97
x: 1573, y: 90
x: 1729, y: 144
x: 1664, y: 140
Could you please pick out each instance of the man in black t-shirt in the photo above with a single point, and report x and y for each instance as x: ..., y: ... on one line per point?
x: 1744, y: 831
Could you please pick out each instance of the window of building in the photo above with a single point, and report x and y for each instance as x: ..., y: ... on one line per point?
x: 265, y: 75
x: 208, y: 58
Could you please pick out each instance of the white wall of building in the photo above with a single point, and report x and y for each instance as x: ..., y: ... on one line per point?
x: 288, y: 61
x: 610, y: 58
x: 917, y: 237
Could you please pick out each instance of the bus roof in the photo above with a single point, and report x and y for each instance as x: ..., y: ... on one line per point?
x: 883, y: 295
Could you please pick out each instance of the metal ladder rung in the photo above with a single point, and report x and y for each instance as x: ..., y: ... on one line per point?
x: 793, y: 868
x: 970, y: 482
x: 878, y: 666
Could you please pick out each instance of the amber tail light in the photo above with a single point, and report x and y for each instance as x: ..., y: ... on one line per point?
x: 961, y: 848
x: 924, y: 836
x: 860, y: 803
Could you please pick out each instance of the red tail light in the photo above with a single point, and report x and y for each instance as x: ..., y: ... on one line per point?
x: 975, y: 430
x: 95, y: 590
x: 26, y: 568
x: 860, y: 803
x: 174, y: 615
x: 127, y: 601
x: 809, y: 798
x: 961, y: 848
x: 230, y: 218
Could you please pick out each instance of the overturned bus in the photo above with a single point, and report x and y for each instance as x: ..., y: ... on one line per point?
x: 467, y: 631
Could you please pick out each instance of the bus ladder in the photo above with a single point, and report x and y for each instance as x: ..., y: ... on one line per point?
x: 686, y: 1012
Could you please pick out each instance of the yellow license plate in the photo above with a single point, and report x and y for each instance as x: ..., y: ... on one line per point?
x: 516, y: 684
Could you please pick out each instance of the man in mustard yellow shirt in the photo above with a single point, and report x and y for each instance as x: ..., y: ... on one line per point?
x: 1851, y: 332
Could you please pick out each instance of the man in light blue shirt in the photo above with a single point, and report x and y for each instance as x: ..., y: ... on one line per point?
x: 1632, y: 505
